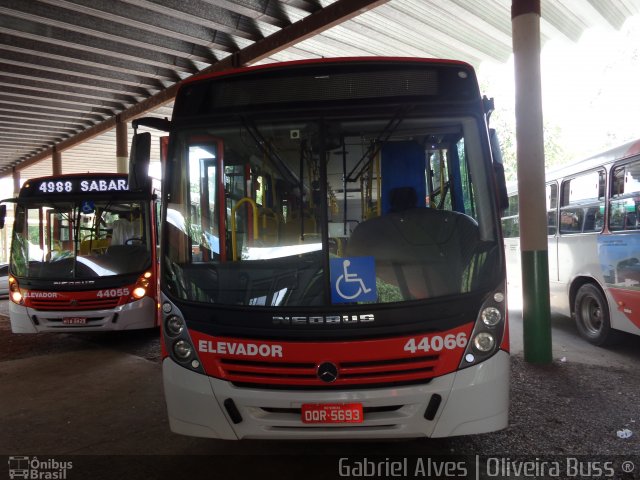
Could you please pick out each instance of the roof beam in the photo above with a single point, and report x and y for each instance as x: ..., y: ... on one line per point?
x: 312, y: 25
x: 49, y: 88
x: 155, y: 21
x: 36, y: 112
x: 48, y: 65
x: 74, y: 81
x: 91, y: 44
x: 204, y: 14
x: 61, y: 98
x: 104, y: 29
x: 82, y: 57
x: 259, y: 10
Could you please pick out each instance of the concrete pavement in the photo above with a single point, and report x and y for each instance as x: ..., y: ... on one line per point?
x: 92, y: 397
x: 568, y: 346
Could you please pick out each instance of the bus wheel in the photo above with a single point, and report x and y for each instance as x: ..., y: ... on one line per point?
x: 592, y: 316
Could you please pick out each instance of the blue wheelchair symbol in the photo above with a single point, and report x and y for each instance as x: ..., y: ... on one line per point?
x: 88, y: 207
x: 353, y: 279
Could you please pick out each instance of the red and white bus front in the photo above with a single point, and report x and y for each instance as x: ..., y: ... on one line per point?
x: 82, y: 256
x: 332, y: 262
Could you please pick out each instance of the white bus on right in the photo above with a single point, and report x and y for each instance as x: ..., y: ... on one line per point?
x: 593, y: 223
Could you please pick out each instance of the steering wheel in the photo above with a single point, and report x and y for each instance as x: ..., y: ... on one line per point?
x: 134, y: 241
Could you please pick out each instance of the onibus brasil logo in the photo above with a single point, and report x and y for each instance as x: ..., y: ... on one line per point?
x: 37, y: 469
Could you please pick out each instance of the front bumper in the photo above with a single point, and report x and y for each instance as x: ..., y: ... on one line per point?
x: 131, y: 316
x: 474, y: 400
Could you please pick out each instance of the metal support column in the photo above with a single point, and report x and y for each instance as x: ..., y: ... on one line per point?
x: 525, y: 17
x: 122, y: 145
x: 56, y: 162
x: 16, y: 182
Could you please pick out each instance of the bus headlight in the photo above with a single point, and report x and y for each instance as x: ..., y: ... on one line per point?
x: 182, y: 350
x: 174, y: 325
x: 488, y: 331
x: 14, y: 291
x: 139, y: 292
x: 176, y: 341
x: 491, y: 316
x: 16, y: 297
x: 484, y: 342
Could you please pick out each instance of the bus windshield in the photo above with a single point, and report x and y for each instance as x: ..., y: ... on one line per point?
x: 64, y: 240
x: 280, y: 210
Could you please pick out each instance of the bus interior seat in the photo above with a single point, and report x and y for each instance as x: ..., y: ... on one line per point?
x: 93, y: 245
x: 571, y: 220
x: 402, y: 166
x: 289, y: 232
x: 268, y: 227
x: 590, y: 220
x: 422, y: 251
x: 630, y: 221
x: 127, y: 258
x: 403, y: 198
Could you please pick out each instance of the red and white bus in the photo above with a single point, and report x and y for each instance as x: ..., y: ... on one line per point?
x: 593, y: 221
x: 332, y: 262
x: 83, y: 255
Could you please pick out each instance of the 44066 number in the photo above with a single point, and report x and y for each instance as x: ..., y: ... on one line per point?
x: 436, y: 343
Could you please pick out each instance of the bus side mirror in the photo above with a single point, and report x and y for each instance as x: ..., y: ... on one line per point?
x: 498, y: 170
x: 3, y: 215
x: 139, y: 160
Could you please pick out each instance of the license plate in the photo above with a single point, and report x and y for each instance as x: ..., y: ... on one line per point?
x: 332, y: 413
x: 74, y: 321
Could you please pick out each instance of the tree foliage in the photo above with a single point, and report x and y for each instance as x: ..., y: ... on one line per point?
x: 503, y: 120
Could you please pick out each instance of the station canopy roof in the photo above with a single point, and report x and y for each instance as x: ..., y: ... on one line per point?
x: 69, y: 67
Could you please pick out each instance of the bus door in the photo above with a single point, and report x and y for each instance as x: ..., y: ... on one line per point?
x: 207, y: 199
x: 552, y: 229
x: 581, y: 218
x: 447, y: 175
x: 58, y: 230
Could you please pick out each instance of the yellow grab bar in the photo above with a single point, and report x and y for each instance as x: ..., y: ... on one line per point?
x: 254, y: 207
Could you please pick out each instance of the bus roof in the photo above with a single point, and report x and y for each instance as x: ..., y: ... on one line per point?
x: 332, y: 60
x: 326, y: 84
x: 620, y: 152
x: 626, y: 150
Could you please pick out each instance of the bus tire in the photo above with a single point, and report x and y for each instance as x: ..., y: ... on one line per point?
x: 592, y: 316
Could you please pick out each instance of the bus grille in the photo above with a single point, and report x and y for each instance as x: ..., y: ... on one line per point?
x: 79, y: 304
x: 367, y: 373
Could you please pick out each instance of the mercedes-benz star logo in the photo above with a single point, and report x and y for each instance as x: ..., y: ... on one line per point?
x: 327, y: 372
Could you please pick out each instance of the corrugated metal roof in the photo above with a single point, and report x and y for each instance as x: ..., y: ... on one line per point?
x: 68, y: 65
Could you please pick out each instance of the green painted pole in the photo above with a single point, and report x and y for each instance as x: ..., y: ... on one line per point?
x: 535, y: 307
x: 536, y: 317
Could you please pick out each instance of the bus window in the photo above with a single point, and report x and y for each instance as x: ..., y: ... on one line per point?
x: 625, y: 197
x: 552, y: 205
x: 449, y: 183
x: 582, y: 203
x: 511, y: 219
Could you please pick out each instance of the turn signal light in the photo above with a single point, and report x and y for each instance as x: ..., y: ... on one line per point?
x: 140, y: 290
x: 14, y: 291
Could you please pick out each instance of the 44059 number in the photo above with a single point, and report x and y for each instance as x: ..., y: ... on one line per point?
x: 113, y: 292
x: 436, y: 343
